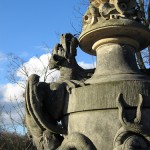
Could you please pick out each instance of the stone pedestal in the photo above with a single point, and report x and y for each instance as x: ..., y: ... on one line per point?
x: 101, y: 126
x: 95, y: 110
x: 108, y: 110
x: 116, y: 60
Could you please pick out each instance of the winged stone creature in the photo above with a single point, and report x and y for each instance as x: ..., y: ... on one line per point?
x: 44, y: 102
x: 63, y: 59
x: 41, y: 124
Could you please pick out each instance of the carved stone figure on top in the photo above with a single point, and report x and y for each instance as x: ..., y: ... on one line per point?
x: 109, y: 9
x: 92, y: 15
x: 63, y: 59
x: 45, y: 102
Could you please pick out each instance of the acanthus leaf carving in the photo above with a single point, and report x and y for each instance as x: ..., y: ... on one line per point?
x: 111, y: 9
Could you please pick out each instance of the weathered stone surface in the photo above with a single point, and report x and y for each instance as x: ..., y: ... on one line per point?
x: 113, y: 28
x: 101, y: 126
x: 116, y: 61
x: 103, y: 96
x: 44, y: 103
x: 106, y: 108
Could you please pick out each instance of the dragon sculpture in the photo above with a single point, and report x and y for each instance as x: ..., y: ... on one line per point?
x: 44, y: 102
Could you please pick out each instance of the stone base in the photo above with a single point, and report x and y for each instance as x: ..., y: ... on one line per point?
x: 94, y: 113
x: 101, y: 126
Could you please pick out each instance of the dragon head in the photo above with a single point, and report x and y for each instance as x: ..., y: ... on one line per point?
x: 63, y: 52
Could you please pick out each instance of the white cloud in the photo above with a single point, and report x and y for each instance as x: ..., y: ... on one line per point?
x: 35, y: 65
x: 11, y: 91
x: 38, y: 66
x: 12, y: 120
x: 2, y: 57
x: 44, y: 48
x: 12, y: 102
x: 87, y: 65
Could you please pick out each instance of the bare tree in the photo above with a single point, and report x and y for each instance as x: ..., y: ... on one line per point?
x: 13, y: 134
x: 14, y: 108
x: 1, y: 118
x: 143, y: 58
x: 15, y: 62
x: 16, y: 65
x: 14, y: 141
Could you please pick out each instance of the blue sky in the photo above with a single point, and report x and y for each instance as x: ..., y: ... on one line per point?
x: 28, y: 25
x: 26, y: 28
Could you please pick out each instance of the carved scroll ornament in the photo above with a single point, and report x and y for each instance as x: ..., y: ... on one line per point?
x: 109, y: 9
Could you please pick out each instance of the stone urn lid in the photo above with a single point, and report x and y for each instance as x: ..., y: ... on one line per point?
x: 113, y: 19
x: 113, y: 28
